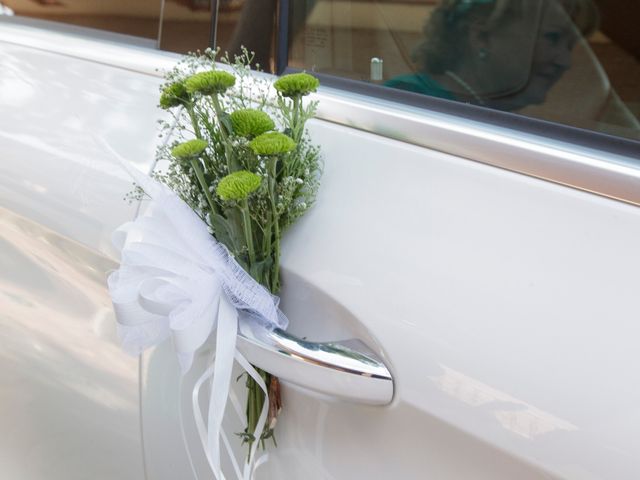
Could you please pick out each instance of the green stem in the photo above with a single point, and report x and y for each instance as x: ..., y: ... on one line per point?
x: 255, y: 401
x: 195, y: 164
x: 194, y: 121
x: 273, y: 163
x: 223, y: 131
x: 275, y: 281
x: 265, y: 378
x: 251, y: 419
x: 296, y: 119
x: 266, y: 250
x: 248, y: 234
x: 219, y: 113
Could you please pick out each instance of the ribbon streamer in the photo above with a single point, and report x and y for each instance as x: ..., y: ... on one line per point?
x: 176, y: 281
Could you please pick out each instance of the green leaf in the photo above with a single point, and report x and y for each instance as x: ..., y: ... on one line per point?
x: 261, y: 271
x: 236, y: 234
x: 223, y: 231
x: 226, y: 122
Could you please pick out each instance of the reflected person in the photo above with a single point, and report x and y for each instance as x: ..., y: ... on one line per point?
x: 503, y: 54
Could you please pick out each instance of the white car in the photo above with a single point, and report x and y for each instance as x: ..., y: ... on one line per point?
x: 489, y: 260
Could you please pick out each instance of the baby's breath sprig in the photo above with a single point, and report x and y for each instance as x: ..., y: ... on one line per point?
x: 137, y: 194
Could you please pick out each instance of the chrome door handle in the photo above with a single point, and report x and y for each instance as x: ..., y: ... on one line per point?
x: 345, y: 369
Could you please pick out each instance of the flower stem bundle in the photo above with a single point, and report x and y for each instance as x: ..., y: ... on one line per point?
x: 242, y: 159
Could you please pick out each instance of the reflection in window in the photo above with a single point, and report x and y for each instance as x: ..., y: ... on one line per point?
x: 185, y: 25
x: 138, y: 18
x: 560, y: 60
x: 252, y: 24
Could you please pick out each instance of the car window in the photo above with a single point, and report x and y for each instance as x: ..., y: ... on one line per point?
x: 573, y: 62
x: 186, y: 25
x: 251, y: 24
x: 175, y: 25
x: 138, y: 19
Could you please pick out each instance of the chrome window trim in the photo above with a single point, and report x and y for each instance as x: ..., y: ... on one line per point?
x: 603, y: 173
x: 596, y: 171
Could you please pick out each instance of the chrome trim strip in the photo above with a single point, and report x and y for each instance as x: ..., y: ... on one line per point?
x: 594, y: 171
x: 348, y: 370
x: 590, y: 170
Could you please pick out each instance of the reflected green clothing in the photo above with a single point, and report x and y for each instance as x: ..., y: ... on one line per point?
x: 419, y: 83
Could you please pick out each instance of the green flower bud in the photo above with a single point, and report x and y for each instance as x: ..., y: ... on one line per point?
x: 272, y: 143
x: 296, y: 84
x: 238, y: 185
x: 190, y: 149
x: 210, y: 83
x: 250, y: 123
x: 174, y: 95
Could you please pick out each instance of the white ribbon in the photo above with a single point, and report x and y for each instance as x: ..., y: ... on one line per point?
x: 175, y: 280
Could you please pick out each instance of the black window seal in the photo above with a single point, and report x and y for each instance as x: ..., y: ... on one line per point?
x: 282, y: 42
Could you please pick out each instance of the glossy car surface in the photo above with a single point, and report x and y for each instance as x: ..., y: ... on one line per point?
x: 473, y: 259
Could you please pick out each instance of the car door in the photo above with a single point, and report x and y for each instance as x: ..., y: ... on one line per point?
x: 71, y: 90
x: 68, y: 396
x: 488, y: 257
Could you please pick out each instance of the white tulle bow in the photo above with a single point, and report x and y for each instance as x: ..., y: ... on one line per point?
x: 176, y: 281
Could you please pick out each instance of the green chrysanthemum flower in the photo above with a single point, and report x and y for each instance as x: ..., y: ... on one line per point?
x: 296, y: 84
x: 174, y: 95
x: 189, y: 149
x: 250, y: 123
x: 272, y: 143
x: 238, y: 185
x: 210, y: 83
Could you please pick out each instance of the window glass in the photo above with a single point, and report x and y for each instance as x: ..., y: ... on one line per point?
x: 568, y: 61
x: 250, y: 24
x: 186, y: 25
x: 138, y: 18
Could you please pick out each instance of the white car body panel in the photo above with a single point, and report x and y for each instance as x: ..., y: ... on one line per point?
x: 69, y: 397
x: 504, y: 305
